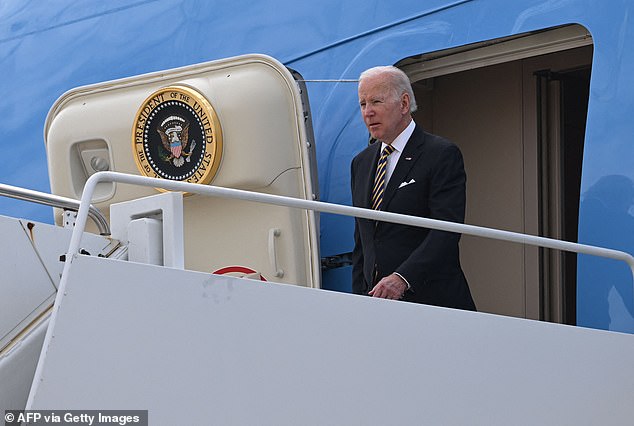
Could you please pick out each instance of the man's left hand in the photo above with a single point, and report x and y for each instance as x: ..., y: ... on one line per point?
x: 390, y: 287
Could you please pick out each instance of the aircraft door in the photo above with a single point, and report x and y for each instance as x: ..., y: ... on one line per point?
x: 237, y: 123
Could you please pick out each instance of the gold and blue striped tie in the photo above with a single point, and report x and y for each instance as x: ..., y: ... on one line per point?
x: 379, y: 179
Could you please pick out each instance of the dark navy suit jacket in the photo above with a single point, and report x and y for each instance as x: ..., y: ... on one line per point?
x: 428, y: 259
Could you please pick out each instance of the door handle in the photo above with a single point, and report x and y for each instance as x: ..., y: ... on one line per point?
x: 273, y: 234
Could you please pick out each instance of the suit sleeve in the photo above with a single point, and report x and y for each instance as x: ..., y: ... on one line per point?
x: 437, y: 255
x: 358, y: 284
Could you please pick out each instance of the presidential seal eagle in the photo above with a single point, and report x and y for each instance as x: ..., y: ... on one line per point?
x: 174, y: 131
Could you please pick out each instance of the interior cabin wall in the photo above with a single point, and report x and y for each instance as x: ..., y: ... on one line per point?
x: 480, y: 110
x: 491, y: 114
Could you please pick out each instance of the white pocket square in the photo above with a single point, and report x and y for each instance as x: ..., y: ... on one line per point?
x: 406, y: 183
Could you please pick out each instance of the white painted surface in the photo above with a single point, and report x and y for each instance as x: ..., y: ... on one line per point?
x: 17, y: 366
x: 25, y: 286
x: 166, y: 208
x: 194, y: 348
x: 31, y: 268
x: 50, y: 242
x: 145, y: 237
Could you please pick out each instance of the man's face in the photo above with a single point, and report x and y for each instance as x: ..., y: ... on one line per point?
x: 385, y: 115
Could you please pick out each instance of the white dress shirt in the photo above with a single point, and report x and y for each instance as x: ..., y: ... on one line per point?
x: 398, y: 145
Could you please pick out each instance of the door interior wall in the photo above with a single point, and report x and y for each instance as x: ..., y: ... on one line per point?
x: 491, y: 114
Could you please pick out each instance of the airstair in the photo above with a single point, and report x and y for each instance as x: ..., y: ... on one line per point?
x: 195, y: 348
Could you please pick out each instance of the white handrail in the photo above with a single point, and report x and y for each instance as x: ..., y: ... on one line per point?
x: 319, y: 206
x: 54, y: 201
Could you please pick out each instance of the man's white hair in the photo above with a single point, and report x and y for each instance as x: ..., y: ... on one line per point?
x: 396, y: 79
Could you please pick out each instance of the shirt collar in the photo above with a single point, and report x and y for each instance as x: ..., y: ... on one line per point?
x: 401, y: 140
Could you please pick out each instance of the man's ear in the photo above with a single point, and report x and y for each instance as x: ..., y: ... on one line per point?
x: 405, y: 102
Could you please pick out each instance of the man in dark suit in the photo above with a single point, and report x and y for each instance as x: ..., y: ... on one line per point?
x: 419, y: 174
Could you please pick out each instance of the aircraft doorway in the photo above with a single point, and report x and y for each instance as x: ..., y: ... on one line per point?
x: 520, y: 123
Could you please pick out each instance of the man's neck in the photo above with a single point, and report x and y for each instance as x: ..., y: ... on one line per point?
x: 401, y: 128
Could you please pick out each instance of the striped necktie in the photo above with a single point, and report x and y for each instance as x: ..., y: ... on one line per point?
x: 379, y: 179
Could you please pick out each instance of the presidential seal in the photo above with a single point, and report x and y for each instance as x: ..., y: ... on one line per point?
x: 177, y: 136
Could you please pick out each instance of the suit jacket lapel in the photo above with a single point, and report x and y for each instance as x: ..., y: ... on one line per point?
x: 371, y: 173
x: 410, y: 154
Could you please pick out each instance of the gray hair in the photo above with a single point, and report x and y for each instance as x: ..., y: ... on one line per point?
x: 397, y: 80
